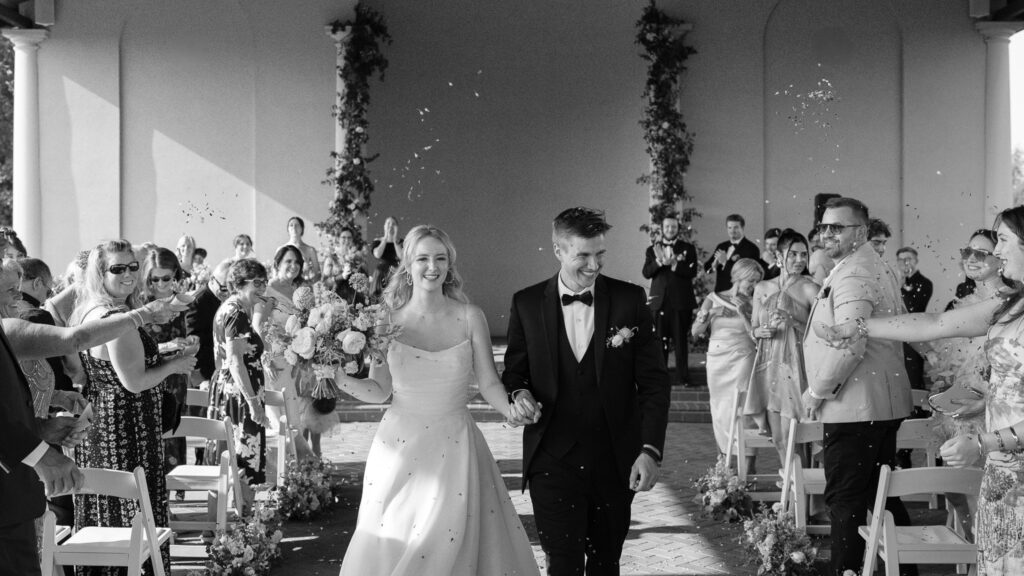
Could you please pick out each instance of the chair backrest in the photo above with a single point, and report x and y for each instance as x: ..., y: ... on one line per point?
x: 273, y: 397
x: 930, y: 480
x: 197, y: 397
x: 127, y: 485
x: 799, y: 433
x: 196, y: 427
x: 917, y: 429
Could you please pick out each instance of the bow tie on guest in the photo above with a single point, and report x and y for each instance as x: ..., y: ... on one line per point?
x: 668, y: 243
x: 586, y: 298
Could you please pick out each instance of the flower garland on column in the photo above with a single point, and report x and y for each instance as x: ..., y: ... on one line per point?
x: 349, y: 176
x: 669, y: 144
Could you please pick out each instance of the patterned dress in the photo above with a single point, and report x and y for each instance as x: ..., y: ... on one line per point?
x: 1000, y: 524
x: 125, y: 434
x: 227, y: 399
x: 177, y: 384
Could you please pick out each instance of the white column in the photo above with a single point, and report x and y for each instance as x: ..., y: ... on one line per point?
x: 28, y: 220
x: 998, y: 144
x: 341, y: 42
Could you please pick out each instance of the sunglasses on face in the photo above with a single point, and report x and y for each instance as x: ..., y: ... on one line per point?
x: 221, y: 289
x: 834, y: 229
x: 979, y: 254
x: 118, y: 269
x: 161, y: 279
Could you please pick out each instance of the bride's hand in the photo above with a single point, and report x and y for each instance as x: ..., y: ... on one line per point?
x: 839, y: 335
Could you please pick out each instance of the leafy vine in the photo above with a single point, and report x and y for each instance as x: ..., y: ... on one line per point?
x: 349, y: 175
x: 669, y: 144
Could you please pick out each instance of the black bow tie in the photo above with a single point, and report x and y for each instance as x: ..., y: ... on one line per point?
x: 586, y: 298
x: 669, y: 243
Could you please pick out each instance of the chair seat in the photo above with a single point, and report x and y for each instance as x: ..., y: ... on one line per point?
x: 193, y: 477
x: 105, y: 540
x: 926, y: 538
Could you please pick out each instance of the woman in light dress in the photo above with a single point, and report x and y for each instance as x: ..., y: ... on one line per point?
x: 730, y: 346
x: 434, y: 501
x: 296, y: 228
x: 781, y: 308
x: 999, y: 526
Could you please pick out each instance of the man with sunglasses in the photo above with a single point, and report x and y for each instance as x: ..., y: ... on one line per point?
x: 860, y: 393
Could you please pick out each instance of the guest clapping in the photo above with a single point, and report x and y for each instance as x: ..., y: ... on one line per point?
x: 385, y: 250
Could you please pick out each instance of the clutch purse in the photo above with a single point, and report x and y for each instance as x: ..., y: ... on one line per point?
x: 954, y: 398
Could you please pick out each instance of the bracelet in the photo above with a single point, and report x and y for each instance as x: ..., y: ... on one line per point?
x: 862, y: 327
x: 981, y: 447
x: 999, y: 437
x: 654, y: 455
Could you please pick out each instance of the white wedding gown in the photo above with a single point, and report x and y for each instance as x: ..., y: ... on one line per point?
x: 434, y: 502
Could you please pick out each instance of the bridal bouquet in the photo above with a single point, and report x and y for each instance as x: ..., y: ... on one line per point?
x: 721, y: 495
x: 328, y: 333
x: 773, y: 542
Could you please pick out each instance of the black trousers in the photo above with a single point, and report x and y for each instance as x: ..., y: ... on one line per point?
x: 672, y: 327
x: 582, y: 512
x: 854, y: 454
x: 18, y: 554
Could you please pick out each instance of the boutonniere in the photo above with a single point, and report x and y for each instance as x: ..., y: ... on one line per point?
x: 620, y: 336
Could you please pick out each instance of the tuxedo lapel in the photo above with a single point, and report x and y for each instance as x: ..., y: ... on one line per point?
x: 552, y: 325
x: 602, y: 304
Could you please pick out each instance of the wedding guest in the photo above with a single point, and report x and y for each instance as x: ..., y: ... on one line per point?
x: 671, y: 265
x: 62, y: 304
x: 769, y: 253
x: 917, y: 292
x: 287, y: 276
x: 781, y: 308
x: 30, y: 468
x: 730, y: 356
x: 878, y: 235
x: 341, y: 263
x: 729, y: 252
x: 125, y: 388
x: 311, y: 271
x: 15, y: 249
x: 861, y: 395
x: 237, y: 389
x: 163, y: 275
x: 199, y: 257
x: 385, y: 250
x: 819, y: 265
x: 243, y: 248
x: 185, y: 252
x: 1000, y: 509
x: 37, y: 371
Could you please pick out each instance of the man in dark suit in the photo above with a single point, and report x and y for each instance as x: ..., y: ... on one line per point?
x: 770, y: 254
x: 671, y: 266
x: 582, y: 345
x: 199, y: 318
x: 728, y: 252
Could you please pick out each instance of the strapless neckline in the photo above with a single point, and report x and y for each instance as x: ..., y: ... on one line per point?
x: 452, y: 347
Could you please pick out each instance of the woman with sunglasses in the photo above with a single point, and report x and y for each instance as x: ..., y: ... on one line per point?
x: 163, y: 276
x: 237, y: 387
x: 125, y: 378
x: 998, y: 446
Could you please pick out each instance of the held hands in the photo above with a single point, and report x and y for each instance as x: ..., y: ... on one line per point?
x: 58, y: 473
x: 525, y: 410
x: 960, y: 451
x: 61, y: 430
x: 643, y: 475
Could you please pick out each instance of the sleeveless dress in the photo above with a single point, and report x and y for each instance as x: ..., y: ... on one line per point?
x: 778, y: 379
x: 729, y: 362
x: 999, y: 528
x: 287, y: 378
x: 125, y: 433
x: 434, y: 501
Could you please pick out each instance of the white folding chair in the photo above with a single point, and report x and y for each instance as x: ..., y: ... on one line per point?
x: 742, y: 439
x: 108, y: 546
x: 206, y: 478
x: 799, y: 483
x: 934, y: 544
x: 197, y: 397
x: 920, y: 434
x: 280, y: 440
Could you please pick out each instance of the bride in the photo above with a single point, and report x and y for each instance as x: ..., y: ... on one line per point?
x: 433, y: 499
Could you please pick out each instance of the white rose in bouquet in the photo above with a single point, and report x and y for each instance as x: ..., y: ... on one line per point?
x: 352, y: 342
x: 292, y: 325
x: 291, y: 357
x: 351, y: 367
x: 304, y: 343
x: 362, y: 323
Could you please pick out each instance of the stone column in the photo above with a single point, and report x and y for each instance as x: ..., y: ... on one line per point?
x: 998, y: 144
x: 340, y: 38
x: 28, y: 220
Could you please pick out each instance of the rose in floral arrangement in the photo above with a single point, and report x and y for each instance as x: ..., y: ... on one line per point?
x: 248, y: 548
x: 352, y: 342
x: 351, y: 368
x: 304, y: 343
x: 774, y: 543
x: 303, y: 298
x: 721, y: 495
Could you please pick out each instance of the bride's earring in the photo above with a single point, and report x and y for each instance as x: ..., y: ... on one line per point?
x: 408, y: 279
x: 449, y: 278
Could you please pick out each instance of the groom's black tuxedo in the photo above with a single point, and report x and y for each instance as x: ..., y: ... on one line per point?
x: 597, y: 415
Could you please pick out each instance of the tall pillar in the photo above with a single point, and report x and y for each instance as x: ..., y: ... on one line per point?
x: 340, y: 38
x: 28, y: 220
x: 998, y: 143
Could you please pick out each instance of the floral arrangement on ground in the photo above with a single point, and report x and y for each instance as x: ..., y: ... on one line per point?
x: 773, y: 542
x: 721, y: 495
x: 308, y: 490
x: 249, y: 547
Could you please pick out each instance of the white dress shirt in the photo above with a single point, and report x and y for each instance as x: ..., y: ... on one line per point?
x: 578, y: 319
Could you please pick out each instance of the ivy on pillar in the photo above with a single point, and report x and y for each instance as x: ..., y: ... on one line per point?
x: 26, y: 204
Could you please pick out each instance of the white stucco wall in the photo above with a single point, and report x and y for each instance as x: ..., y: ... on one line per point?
x: 213, y: 118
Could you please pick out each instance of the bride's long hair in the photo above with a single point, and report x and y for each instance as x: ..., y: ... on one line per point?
x: 399, y: 288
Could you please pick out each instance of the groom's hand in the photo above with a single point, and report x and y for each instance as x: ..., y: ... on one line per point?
x: 525, y: 410
x: 644, y: 473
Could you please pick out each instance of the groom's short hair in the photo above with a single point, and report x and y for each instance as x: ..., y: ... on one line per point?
x: 579, y: 221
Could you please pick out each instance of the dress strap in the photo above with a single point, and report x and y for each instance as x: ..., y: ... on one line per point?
x: 469, y: 328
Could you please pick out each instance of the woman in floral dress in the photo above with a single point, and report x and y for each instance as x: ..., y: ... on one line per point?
x: 999, y: 528
x: 125, y: 378
x: 237, y: 388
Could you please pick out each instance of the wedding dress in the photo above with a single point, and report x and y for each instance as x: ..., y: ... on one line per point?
x: 434, y: 502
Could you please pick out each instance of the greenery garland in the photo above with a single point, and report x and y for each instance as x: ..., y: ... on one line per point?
x: 348, y: 175
x: 669, y: 144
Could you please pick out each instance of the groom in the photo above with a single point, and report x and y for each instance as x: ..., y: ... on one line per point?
x: 582, y: 346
